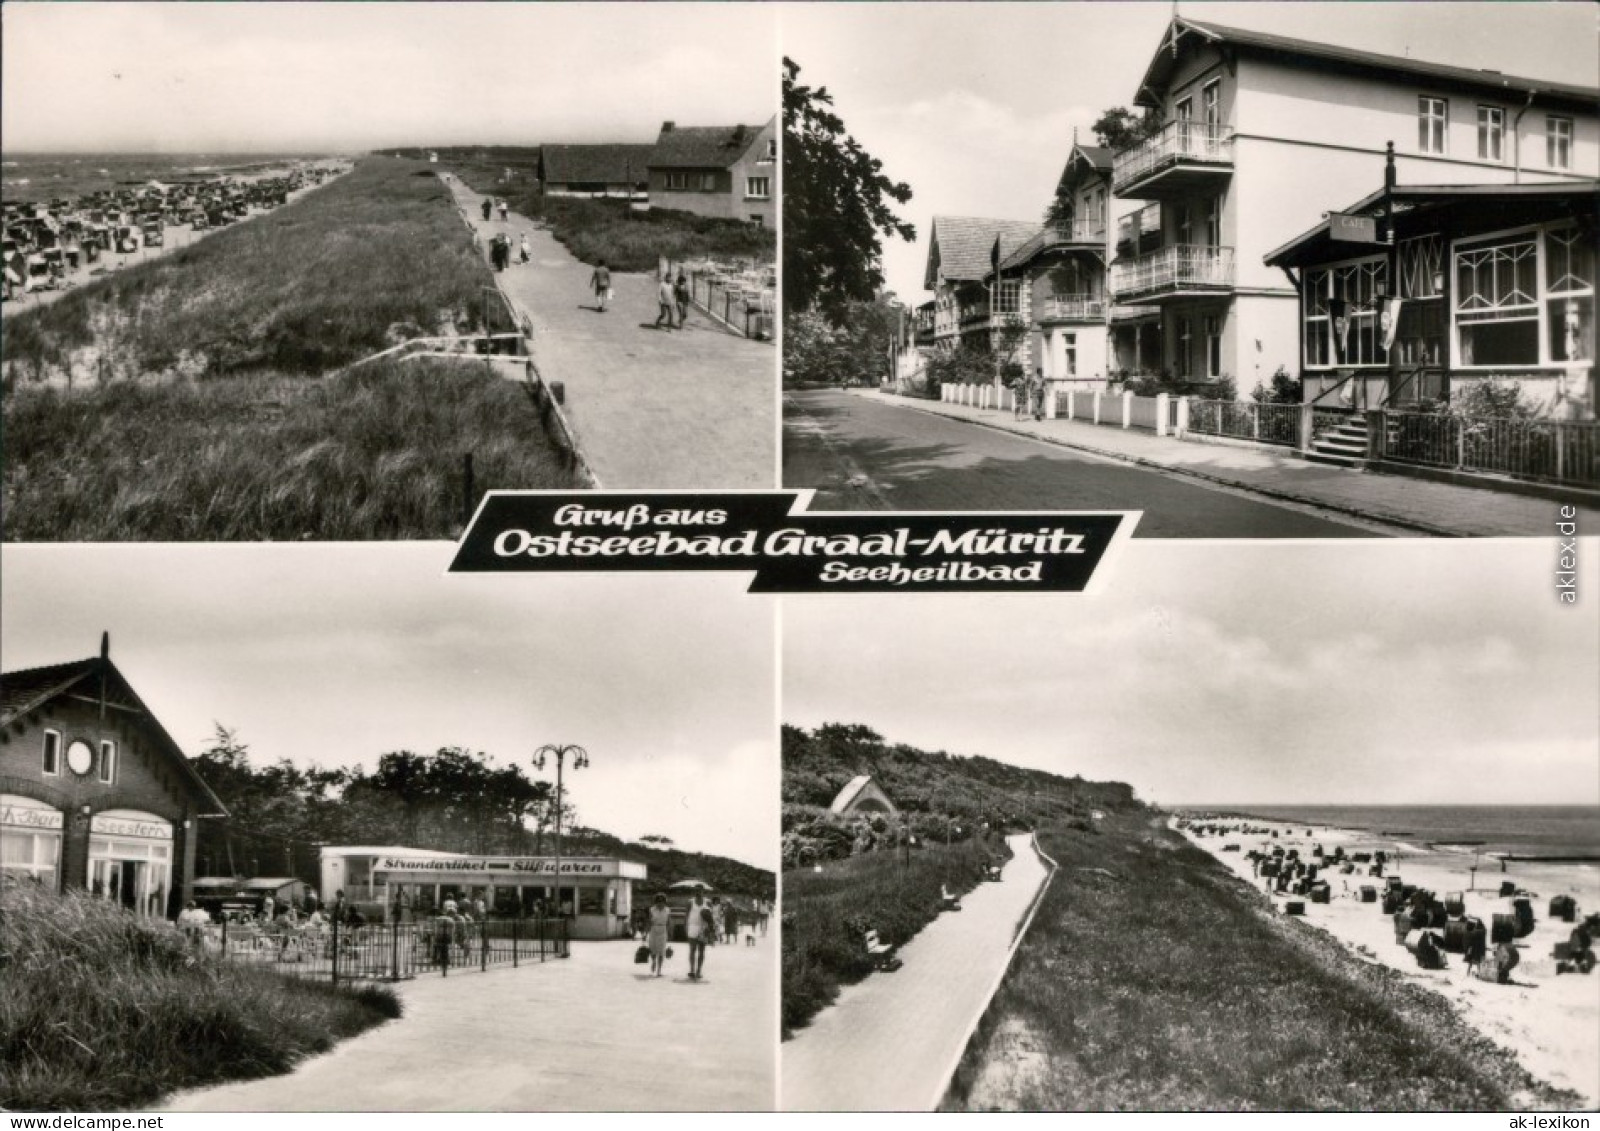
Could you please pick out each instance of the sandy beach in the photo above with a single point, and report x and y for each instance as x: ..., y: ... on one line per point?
x: 1550, y: 1022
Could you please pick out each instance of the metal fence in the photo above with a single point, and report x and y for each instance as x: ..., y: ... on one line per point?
x: 1557, y: 451
x: 389, y: 951
x: 1246, y: 420
x: 743, y: 297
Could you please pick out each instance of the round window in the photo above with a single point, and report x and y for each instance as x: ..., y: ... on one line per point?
x: 80, y: 757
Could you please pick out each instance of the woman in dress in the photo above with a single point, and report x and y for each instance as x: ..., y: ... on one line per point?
x: 660, y: 921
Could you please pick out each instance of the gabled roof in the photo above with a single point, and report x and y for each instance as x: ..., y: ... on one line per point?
x: 1085, y: 160
x: 852, y: 789
x: 961, y: 247
x: 1415, y: 202
x: 598, y: 164
x: 1325, y: 55
x: 704, y: 147
x: 26, y: 690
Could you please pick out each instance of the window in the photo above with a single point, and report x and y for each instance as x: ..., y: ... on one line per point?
x: 1213, y: 345
x: 691, y: 182
x: 1569, y: 295
x: 1525, y: 299
x: 1341, y: 314
x: 1185, y: 225
x: 1184, y: 110
x: 1184, y: 337
x: 771, y: 153
x: 1558, y: 142
x: 1491, y: 132
x: 1008, y: 296
x: 1433, y: 114
x: 758, y: 188
x: 1213, y: 222
x: 1211, y: 103
x: 108, y: 762
x: 52, y: 753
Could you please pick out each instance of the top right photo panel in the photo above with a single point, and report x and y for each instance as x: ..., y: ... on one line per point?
x: 1305, y: 270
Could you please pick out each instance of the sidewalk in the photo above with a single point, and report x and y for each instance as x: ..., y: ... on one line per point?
x: 890, y: 1043
x: 652, y: 409
x: 1415, y: 504
x: 590, y: 1033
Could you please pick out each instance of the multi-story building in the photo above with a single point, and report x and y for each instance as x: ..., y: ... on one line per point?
x: 94, y: 793
x: 1261, y: 134
x: 726, y: 171
x: 969, y: 307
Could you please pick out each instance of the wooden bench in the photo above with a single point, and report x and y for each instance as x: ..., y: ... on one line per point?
x: 881, y: 953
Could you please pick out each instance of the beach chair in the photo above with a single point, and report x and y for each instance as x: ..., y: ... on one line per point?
x: 881, y: 953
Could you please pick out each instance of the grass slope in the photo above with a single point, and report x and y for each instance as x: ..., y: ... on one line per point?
x: 1152, y: 980
x: 100, y: 1011
x: 373, y: 453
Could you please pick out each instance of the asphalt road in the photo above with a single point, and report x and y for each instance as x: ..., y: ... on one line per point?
x: 858, y: 455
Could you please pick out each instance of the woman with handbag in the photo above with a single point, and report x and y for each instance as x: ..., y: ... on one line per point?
x: 660, y: 922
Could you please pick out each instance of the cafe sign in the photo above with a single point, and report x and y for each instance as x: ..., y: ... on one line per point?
x: 14, y: 816
x: 506, y: 865
x: 1348, y: 228
x: 140, y: 825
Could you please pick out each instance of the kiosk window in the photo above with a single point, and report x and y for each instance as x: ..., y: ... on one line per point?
x: 591, y: 901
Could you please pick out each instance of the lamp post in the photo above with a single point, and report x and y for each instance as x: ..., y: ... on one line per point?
x: 580, y: 759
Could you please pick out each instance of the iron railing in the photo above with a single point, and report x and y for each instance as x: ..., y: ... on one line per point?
x: 1247, y: 420
x: 1180, y: 142
x: 1556, y: 451
x: 1079, y: 307
x: 1173, y: 268
x: 1059, y: 235
x: 387, y: 951
x: 740, y: 296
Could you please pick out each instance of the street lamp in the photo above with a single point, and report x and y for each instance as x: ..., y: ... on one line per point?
x: 580, y: 759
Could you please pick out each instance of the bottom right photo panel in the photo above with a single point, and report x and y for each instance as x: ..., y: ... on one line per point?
x: 1281, y: 827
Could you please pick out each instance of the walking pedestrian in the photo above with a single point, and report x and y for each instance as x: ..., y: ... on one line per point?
x: 600, y: 283
x: 1036, y: 392
x: 502, y: 210
x: 730, y: 922
x: 527, y: 252
x: 488, y: 208
x: 656, y: 939
x: 664, y: 299
x: 698, y: 930
x: 1019, y: 396
x: 680, y: 292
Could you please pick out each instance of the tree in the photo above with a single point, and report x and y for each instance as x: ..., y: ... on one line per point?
x: 836, y: 203
x: 850, y: 350
x: 1120, y: 128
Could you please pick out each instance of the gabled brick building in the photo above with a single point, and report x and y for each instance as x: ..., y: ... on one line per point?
x: 725, y: 171
x: 94, y: 793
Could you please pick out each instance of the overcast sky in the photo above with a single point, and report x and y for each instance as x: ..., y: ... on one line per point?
x: 1411, y: 671
x: 974, y: 105
x: 338, y: 654
x: 268, y: 77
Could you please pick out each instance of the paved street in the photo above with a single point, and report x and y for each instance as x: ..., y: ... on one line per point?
x: 653, y: 409
x: 889, y: 1043
x: 590, y: 1033
x: 861, y: 454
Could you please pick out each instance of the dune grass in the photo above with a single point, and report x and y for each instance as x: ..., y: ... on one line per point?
x: 373, y: 256
x: 100, y: 1011
x: 1152, y: 979
x: 626, y: 240
x: 375, y: 453
x: 825, y: 914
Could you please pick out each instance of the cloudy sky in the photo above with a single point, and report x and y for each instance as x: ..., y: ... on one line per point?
x: 337, y: 654
x: 1411, y: 671
x: 974, y: 105
x: 268, y: 77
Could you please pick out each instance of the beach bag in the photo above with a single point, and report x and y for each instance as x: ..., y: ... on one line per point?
x: 641, y: 956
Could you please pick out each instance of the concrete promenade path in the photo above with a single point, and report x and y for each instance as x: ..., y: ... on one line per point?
x: 590, y: 1033
x: 652, y: 409
x: 889, y: 1043
x: 1418, y: 505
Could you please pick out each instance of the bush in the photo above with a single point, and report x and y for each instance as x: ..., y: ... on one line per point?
x: 101, y: 1011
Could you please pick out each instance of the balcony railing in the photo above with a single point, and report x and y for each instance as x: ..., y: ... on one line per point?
x: 1076, y: 307
x: 1179, y: 142
x: 1174, y: 268
x: 1090, y: 232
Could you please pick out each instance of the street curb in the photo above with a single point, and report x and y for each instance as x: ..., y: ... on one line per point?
x: 1221, y: 481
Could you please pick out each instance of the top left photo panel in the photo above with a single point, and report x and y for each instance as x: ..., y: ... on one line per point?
x: 333, y: 272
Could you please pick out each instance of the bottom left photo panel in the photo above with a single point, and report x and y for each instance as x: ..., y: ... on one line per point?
x: 323, y: 828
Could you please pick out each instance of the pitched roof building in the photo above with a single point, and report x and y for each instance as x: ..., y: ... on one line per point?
x: 962, y: 252
x: 723, y: 171
x: 595, y: 170
x: 862, y: 795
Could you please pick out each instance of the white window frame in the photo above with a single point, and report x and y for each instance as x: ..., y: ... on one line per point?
x: 750, y: 188
x: 108, y: 762
x: 1211, y: 104
x: 1213, y: 221
x: 1433, y: 126
x: 51, y: 755
x: 1491, y: 133
x: 1212, y: 326
x: 1558, y: 141
x: 1007, y: 297
x: 1538, y: 306
x: 1323, y: 322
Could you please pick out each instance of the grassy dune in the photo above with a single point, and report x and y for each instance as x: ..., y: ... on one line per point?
x: 374, y: 453
x: 1152, y: 980
x: 100, y: 1011
x: 826, y: 913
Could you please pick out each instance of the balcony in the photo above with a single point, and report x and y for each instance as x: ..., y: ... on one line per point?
x: 1086, y: 234
x: 1186, y: 157
x: 1074, y: 308
x: 1173, y: 272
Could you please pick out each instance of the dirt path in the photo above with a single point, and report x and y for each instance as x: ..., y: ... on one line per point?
x: 652, y: 409
x: 591, y: 1033
x: 889, y: 1043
